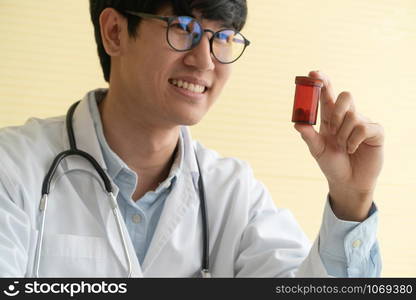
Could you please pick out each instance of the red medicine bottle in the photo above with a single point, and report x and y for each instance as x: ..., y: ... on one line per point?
x: 305, y: 107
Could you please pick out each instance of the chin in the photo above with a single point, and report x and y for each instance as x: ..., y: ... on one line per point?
x: 189, y: 120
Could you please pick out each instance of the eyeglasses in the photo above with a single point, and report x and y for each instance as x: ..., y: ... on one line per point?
x: 184, y: 33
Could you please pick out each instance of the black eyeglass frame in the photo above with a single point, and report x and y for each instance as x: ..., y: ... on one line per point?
x: 169, y: 21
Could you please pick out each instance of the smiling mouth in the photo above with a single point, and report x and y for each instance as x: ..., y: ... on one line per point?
x: 195, y: 88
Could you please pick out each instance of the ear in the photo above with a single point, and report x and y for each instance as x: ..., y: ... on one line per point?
x: 112, y: 25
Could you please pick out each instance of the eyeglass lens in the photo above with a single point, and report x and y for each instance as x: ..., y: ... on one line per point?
x: 185, y: 32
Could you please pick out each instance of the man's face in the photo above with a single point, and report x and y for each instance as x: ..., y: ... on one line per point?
x: 150, y: 72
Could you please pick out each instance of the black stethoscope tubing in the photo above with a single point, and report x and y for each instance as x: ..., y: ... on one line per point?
x: 74, y: 151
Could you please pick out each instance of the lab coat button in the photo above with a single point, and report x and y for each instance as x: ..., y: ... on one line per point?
x: 356, y: 243
x: 136, y: 219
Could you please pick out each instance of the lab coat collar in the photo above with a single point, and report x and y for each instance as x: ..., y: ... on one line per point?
x: 189, y: 164
x: 183, y: 196
x: 85, y: 135
x: 181, y: 199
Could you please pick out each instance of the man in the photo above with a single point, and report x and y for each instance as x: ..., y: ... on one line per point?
x: 164, y: 74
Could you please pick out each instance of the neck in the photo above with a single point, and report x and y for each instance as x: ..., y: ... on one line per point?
x: 146, y: 148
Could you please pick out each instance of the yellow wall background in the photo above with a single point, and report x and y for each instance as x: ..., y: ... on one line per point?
x: 48, y: 60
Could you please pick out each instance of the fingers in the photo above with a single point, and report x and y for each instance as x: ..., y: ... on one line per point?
x: 312, y: 138
x: 343, y: 105
x: 350, y: 128
x: 355, y: 130
x: 349, y: 123
x: 371, y: 134
x: 327, y: 99
x: 340, y: 119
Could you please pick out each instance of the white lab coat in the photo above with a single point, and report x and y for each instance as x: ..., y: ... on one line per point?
x: 248, y: 235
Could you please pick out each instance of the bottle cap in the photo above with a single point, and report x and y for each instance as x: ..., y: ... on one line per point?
x: 302, y: 80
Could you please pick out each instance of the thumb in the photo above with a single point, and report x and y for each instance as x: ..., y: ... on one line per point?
x: 312, y: 138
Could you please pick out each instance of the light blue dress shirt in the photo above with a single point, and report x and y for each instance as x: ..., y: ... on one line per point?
x: 347, y: 249
x: 350, y: 249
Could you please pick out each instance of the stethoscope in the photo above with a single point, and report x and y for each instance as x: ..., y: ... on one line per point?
x: 74, y: 151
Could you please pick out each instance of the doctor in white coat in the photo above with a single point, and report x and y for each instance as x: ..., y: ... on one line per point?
x: 137, y: 132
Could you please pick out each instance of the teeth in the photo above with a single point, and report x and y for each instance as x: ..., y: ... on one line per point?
x: 196, y: 88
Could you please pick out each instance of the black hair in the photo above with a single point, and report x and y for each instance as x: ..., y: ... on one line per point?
x: 232, y: 13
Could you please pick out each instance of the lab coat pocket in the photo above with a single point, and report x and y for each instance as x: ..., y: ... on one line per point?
x: 66, y: 255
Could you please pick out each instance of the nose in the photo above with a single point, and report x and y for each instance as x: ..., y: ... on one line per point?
x: 200, y: 57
